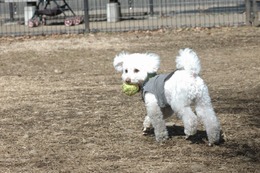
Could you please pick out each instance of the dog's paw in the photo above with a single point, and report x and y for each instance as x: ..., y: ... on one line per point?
x: 147, y: 131
x: 163, y: 136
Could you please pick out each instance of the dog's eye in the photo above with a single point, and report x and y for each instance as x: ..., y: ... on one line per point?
x: 136, y: 70
x: 126, y: 71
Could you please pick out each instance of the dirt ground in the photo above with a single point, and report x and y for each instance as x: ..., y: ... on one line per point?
x: 62, y: 109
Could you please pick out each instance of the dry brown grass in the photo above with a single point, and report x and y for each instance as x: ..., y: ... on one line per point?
x: 62, y: 109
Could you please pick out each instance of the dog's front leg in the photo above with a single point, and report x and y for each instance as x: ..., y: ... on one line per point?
x: 147, y: 125
x: 156, y: 117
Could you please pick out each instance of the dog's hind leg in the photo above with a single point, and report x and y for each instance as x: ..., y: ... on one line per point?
x: 206, y: 113
x: 181, y: 106
x: 189, y: 120
x: 156, y: 117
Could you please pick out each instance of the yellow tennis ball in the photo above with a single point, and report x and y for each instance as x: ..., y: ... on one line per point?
x: 130, y: 89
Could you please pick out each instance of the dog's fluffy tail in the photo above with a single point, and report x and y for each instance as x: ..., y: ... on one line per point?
x: 188, y: 60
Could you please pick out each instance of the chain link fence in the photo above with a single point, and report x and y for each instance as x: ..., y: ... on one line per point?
x: 43, y: 17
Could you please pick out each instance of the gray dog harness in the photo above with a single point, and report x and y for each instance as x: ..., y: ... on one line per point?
x: 155, y: 85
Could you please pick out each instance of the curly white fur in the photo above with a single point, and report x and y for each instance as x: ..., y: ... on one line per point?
x: 181, y: 90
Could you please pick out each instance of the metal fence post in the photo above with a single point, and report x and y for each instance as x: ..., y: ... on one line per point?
x: 255, y: 13
x: 86, y: 16
x: 151, y: 7
x: 248, y: 12
x: 11, y: 9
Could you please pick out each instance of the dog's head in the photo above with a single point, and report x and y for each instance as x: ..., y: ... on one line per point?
x: 136, y: 67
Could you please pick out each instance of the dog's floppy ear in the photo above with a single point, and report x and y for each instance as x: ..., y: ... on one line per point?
x: 119, y: 60
x: 153, y: 63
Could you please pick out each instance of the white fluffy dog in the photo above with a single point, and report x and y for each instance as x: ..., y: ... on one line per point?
x: 166, y: 94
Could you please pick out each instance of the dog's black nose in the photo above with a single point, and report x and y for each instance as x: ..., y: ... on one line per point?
x: 128, y: 80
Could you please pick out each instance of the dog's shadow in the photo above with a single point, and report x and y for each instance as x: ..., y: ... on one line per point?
x: 178, y: 131
x: 199, y: 138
